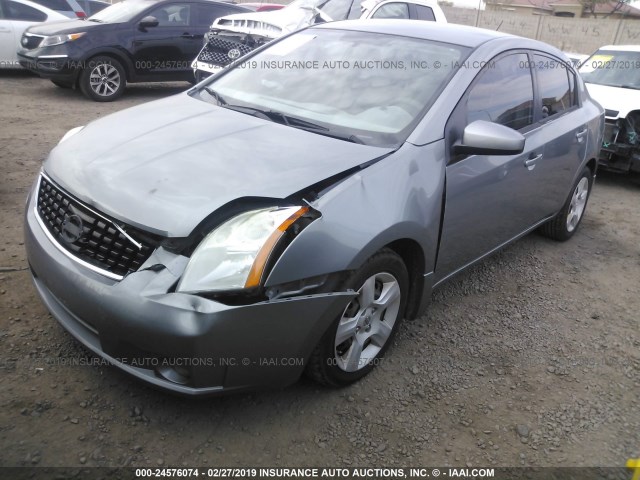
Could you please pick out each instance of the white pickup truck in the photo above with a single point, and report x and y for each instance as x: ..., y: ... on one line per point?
x: 235, y: 35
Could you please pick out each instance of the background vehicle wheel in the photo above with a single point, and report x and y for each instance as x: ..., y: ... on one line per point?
x: 103, y: 80
x: 350, y: 347
x: 564, y: 225
x: 62, y: 84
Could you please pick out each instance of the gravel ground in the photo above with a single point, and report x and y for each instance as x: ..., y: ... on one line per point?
x: 530, y: 358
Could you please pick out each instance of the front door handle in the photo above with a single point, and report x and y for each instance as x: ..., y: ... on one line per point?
x: 530, y: 162
x: 187, y: 35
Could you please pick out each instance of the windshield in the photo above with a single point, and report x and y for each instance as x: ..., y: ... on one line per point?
x: 613, y: 68
x: 120, y: 12
x: 369, y: 86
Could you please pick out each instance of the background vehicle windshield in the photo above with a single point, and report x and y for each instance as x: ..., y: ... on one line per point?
x: 120, y: 12
x: 371, y: 85
x: 336, y: 9
x: 613, y: 68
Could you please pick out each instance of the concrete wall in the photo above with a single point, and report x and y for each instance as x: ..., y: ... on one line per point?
x: 578, y: 35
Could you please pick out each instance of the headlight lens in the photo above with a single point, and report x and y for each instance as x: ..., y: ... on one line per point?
x: 60, y: 39
x: 234, y: 255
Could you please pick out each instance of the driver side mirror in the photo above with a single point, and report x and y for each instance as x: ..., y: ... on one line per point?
x: 487, y: 138
x: 148, y: 22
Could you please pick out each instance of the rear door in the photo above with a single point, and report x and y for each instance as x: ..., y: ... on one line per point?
x: 490, y: 199
x: 564, y: 124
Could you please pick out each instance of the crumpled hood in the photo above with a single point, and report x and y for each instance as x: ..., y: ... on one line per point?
x: 622, y: 100
x: 166, y: 165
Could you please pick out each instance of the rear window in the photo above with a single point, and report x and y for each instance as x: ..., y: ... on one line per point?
x: 58, y: 5
x: 18, y: 11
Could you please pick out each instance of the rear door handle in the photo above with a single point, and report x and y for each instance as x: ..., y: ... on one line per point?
x: 187, y: 35
x: 581, y: 134
x: 531, y: 161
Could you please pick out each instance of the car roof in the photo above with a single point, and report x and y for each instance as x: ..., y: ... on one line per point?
x: 441, y: 32
x: 622, y: 48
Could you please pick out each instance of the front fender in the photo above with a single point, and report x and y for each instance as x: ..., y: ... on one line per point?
x: 399, y: 197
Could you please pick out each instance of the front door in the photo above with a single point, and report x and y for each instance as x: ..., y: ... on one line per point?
x: 490, y: 199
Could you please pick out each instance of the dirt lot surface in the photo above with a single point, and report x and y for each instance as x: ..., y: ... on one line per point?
x: 530, y: 358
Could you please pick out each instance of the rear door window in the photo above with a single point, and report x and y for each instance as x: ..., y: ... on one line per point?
x: 554, y: 86
x: 425, y: 13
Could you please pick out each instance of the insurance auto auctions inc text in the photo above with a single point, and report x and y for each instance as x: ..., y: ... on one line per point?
x: 372, y: 473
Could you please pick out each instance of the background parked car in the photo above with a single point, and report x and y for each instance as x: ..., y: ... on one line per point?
x: 132, y: 41
x: 15, y: 17
x: 576, y: 58
x: 612, y: 76
x: 262, y: 7
x: 68, y: 8
x: 238, y: 34
x: 91, y: 7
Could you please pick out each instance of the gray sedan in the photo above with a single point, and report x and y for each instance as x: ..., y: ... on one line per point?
x: 286, y: 214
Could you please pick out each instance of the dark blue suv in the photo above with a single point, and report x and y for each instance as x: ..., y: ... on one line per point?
x: 137, y: 41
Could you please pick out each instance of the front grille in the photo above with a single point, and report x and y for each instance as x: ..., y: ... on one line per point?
x: 216, y: 51
x: 88, y: 235
x: 31, y: 41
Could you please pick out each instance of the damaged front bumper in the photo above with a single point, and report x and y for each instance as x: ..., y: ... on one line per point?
x: 620, y: 149
x: 174, y: 341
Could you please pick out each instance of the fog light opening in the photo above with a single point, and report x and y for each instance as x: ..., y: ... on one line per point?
x: 175, y: 374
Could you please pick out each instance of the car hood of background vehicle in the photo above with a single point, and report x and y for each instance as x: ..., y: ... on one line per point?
x: 166, y: 165
x: 621, y: 100
x: 64, y: 27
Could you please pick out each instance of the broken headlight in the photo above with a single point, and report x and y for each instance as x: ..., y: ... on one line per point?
x: 234, y: 255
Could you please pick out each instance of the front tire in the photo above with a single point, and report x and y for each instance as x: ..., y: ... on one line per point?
x: 103, y: 80
x: 350, y: 348
x: 566, y: 222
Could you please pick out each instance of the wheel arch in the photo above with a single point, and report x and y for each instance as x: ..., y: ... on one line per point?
x: 592, y: 165
x: 114, y: 53
x: 413, y: 257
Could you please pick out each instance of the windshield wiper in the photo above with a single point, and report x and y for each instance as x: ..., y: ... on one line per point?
x: 280, y: 117
x: 219, y: 98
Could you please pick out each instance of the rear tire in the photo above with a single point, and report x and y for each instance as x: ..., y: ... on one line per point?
x: 103, y: 80
x: 566, y: 222
x: 355, y: 341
